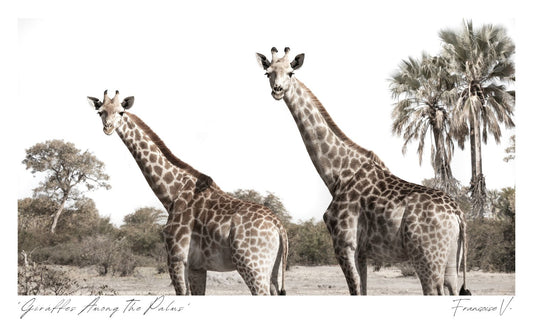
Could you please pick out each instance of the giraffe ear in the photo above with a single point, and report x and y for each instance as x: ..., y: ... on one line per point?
x: 128, y: 102
x: 262, y: 60
x: 298, y: 61
x: 94, y: 102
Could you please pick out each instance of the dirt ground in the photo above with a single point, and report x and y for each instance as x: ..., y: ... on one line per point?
x: 301, y: 281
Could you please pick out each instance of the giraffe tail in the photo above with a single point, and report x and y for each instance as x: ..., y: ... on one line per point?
x: 284, y: 254
x: 464, y: 291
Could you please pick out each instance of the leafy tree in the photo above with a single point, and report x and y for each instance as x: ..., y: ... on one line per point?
x: 145, y: 217
x: 68, y: 172
x: 511, y: 149
x: 33, y: 213
x: 491, y: 245
x: 33, y: 222
x: 424, y: 91
x: 310, y: 244
x: 83, y: 219
x: 78, y: 221
x: 270, y: 201
x: 144, y: 230
x: 491, y: 242
x: 108, y: 254
x: 504, y: 205
x: 482, y: 60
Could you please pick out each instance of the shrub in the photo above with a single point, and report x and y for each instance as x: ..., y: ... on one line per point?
x: 491, y: 245
x: 406, y: 269
x: 143, y: 230
x: 105, y: 252
x: 310, y: 244
x: 68, y: 253
x: 35, y: 279
x: 77, y: 222
x: 161, y: 268
x: 108, y: 254
x: 124, y: 263
x: 103, y: 290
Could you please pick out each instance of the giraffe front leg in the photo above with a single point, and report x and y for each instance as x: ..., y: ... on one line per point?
x: 177, y: 241
x: 197, y: 280
x: 345, y: 255
x: 177, y: 271
x: 342, y: 225
x: 362, y: 269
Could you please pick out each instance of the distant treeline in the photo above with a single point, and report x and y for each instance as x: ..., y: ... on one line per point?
x: 83, y: 237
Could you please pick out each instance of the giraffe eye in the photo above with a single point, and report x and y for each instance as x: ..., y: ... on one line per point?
x: 291, y: 74
x: 100, y: 113
x: 121, y: 113
x: 267, y: 74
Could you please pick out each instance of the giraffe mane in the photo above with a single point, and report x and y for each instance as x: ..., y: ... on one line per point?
x: 203, y: 181
x: 339, y: 133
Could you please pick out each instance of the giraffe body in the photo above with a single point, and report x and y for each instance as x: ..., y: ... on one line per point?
x: 373, y: 214
x: 207, y: 229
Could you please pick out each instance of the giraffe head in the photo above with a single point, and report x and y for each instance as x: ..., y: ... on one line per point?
x: 280, y: 70
x: 111, y: 110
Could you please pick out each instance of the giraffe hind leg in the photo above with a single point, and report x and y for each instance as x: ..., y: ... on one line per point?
x: 256, y: 274
x: 430, y: 271
x: 422, y: 271
x: 450, y: 273
x: 257, y: 283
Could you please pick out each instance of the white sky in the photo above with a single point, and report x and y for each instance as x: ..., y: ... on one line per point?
x: 196, y: 82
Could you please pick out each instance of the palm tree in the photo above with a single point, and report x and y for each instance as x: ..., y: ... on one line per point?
x: 424, y: 91
x: 482, y: 61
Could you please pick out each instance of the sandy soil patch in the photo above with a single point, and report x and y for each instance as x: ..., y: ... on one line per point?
x: 300, y: 280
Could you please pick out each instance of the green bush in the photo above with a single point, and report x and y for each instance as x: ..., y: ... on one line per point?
x: 491, y: 242
x: 143, y: 229
x: 109, y: 255
x: 407, y: 269
x: 310, y: 244
x: 35, y: 279
x: 68, y: 253
x: 77, y: 222
x: 491, y: 245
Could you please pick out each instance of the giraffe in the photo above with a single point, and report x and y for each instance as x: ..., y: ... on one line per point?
x: 373, y: 213
x: 207, y: 229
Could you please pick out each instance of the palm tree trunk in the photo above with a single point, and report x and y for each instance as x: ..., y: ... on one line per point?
x: 477, y: 183
x: 443, y: 171
x: 473, y: 149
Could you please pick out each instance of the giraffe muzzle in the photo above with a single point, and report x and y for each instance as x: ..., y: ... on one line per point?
x: 108, y: 129
x: 277, y: 92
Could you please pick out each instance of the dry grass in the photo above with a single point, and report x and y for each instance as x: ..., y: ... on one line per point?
x: 321, y: 280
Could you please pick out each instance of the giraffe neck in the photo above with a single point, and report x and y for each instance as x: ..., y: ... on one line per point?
x: 168, y: 176
x: 333, y: 154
